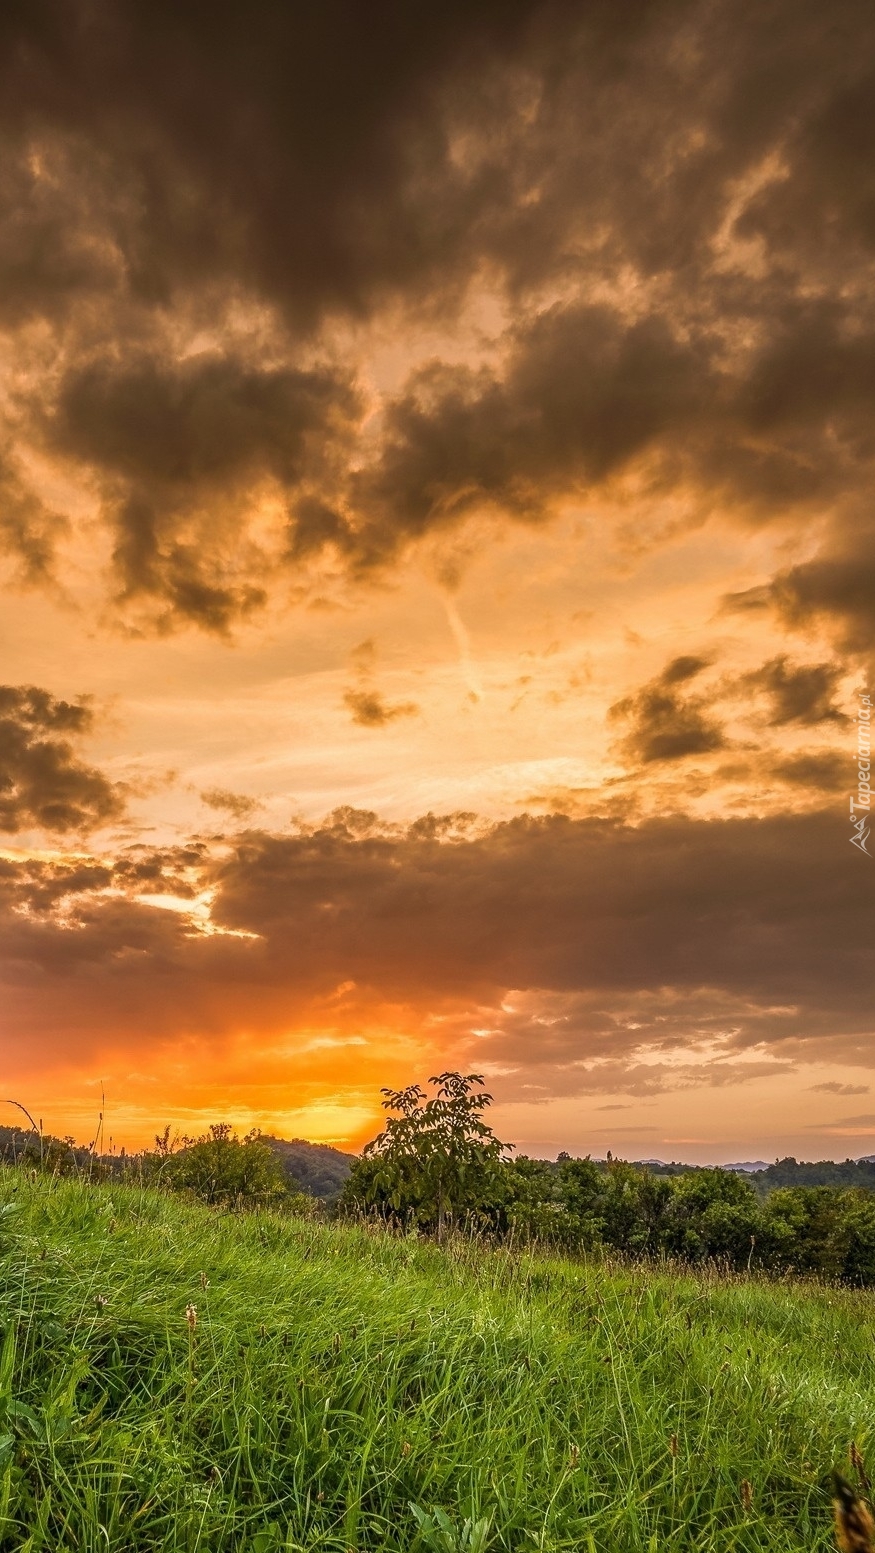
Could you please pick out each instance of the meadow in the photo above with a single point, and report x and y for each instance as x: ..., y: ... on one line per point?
x: 178, y: 1377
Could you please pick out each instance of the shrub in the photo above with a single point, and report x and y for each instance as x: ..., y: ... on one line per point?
x: 437, y: 1162
x: 219, y: 1167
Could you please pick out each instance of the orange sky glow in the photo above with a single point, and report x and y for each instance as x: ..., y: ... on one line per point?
x: 438, y: 570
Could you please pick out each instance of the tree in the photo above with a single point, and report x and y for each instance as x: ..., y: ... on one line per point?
x: 712, y: 1213
x: 805, y: 1231
x: 437, y: 1162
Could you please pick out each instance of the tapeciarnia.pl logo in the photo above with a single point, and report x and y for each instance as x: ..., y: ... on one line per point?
x: 863, y: 800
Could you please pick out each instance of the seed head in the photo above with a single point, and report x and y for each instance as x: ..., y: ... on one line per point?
x: 574, y: 1457
x: 405, y: 1449
x: 101, y: 1301
x: 746, y: 1495
x: 191, y: 1316
x: 855, y: 1529
x: 673, y: 1444
x: 205, y: 1282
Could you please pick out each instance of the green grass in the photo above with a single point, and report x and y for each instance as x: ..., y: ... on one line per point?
x: 338, y: 1377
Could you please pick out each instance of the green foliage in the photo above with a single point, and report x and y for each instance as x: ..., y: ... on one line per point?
x: 816, y: 1229
x: 219, y: 1167
x: 438, y: 1534
x: 536, y: 1208
x: 824, y: 1172
x: 437, y: 1162
x: 331, y: 1377
x: 711, y: 1214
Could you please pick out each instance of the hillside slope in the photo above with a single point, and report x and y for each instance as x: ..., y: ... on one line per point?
x: 316, y: 1167
x: 329, y: 1378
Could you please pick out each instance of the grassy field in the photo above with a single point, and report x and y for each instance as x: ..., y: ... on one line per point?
x: 333, y: 1379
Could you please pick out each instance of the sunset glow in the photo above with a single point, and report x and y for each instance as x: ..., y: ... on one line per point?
x: 439, y: 570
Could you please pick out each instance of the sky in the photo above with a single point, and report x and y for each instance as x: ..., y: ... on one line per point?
x: 437, y: 554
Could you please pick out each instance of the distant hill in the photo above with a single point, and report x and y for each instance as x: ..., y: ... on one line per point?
x: 317, y: 1168
x: 785, y: 1172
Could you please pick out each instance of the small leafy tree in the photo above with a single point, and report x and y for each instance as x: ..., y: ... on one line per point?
x: 437, y: 1162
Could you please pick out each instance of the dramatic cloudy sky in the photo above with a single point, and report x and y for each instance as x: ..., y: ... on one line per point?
x: 438, y: 565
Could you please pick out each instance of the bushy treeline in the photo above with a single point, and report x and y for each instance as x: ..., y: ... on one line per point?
x: 711, y: 1215
x: 438, y: 1168
x: 217, y: 1167
x: 62, y: 1156
x: 438, y: 1165
x: 821, y: 1172
x: 315, y: 1168
x: 584, y: 1205
x: 791, y: 1172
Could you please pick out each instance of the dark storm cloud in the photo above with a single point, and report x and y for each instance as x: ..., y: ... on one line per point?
x: 57, y: 247
x: 279, y: 148
x: 798, y: 693
x: 582, y: 394
x: 571, y: 942
x: 587, y: 394
x: 667, y: 722
x: 836, y: 588
x: 182, y: 451
x: 824, y: 771
x: 165, y: 871
x: 692, y: 181
x: 43, y: 781
x: 669, y: 933
x: 28, y: 530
